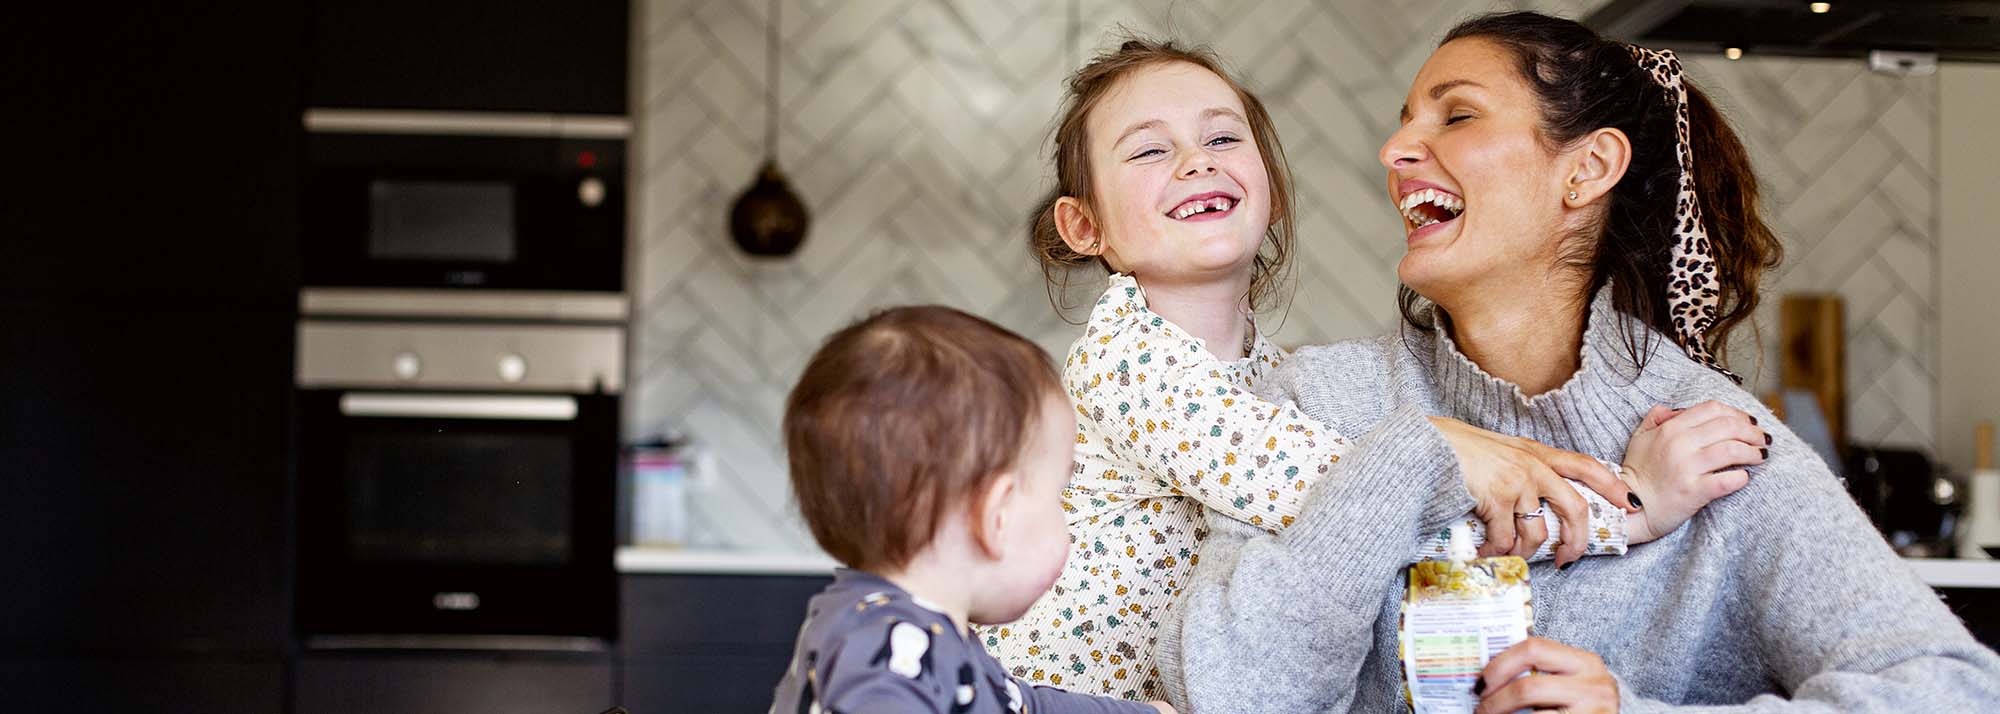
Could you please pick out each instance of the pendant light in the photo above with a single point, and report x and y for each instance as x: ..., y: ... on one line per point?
x: 768, y: 219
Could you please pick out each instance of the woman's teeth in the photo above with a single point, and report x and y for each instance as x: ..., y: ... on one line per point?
x: 1193, y: 207
x: 1425, y: 206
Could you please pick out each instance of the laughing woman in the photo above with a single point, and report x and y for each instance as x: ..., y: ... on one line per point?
x: 1583, y: 235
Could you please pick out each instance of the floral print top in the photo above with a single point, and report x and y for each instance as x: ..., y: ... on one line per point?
x: 1167, y: 433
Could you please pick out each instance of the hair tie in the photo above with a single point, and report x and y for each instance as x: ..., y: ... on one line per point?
x: 1694, y: 295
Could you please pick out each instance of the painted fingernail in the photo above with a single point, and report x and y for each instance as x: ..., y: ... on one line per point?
x: 1633, y: 499
x: 1479, y: 686
x: 1753, y: 420
x: 1764, y: 453
x: 1565, y: 566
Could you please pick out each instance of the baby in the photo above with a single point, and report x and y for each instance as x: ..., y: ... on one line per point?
x: 928, y: 449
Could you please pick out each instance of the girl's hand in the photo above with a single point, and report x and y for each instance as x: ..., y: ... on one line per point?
x: 1565, y: 679
x: 1680, y: 460
x: 1510, y: 476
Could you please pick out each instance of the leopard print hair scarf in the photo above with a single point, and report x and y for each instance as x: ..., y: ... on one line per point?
x: 1693, y: 295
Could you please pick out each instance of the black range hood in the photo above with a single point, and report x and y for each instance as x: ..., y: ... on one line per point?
x: 1954, y: 30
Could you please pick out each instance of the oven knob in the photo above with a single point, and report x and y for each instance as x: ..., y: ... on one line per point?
x: 513, y: 368
x: 407, y: 366
x: 590, y: 191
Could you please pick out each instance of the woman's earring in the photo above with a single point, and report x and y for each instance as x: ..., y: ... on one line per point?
x: 1572, y: 195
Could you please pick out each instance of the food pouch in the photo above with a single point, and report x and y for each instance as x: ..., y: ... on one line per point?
x: 1458, y: 614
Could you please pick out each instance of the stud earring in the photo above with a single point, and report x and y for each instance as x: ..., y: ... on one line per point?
x: 1572, y: 195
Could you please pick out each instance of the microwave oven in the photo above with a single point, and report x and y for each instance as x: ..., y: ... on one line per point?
x: 419, y: 199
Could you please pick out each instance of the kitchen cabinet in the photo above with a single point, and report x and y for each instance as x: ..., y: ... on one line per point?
x: 709, y: 643
x: 449, y: 682
x: 462, y: 55
x: 173, y: 685
x: 154, y: 152
x: 143, y: 506
x: 146, y: 303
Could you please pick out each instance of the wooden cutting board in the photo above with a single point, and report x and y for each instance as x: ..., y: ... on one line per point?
x: 1812, y: 355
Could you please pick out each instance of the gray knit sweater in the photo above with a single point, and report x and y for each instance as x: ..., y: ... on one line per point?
x: 1778, y: 598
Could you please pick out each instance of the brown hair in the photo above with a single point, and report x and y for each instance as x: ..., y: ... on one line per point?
x: 1087, y: 87
x: 902, y: 417
x: 1585, y: 82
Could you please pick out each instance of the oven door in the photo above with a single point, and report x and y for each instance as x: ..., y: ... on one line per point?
x: 430, y: 211
x: 455, y: 514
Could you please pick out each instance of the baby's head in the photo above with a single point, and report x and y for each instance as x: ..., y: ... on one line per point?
x: 927, y: 437
x: 1168, y: 169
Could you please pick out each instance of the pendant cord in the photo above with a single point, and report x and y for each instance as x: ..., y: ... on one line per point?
x: 1069, y: 41
x: 771, y: 84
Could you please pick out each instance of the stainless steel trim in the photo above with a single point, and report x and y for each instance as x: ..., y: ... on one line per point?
x: 508, y: 304
x: 477, y: 357
x: 458, y: 406
x: 401, y: 121
x: 528, y: 643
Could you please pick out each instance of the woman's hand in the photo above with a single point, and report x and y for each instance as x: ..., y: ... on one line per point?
x: 1680, y: 460
x: 1510, y: 476
x: 1564, y: 679
x: 1161, y: 707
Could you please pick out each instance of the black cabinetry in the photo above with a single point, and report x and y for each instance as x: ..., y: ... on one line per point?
x: 146, y: 296
x: 709, y: 643
x: 430, y: 683
x: 459, y: 55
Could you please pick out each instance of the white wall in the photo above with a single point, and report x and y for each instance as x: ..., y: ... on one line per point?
x: 1969, y: 251
x: 914, y: 130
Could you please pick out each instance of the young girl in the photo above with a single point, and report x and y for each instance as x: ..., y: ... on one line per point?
x: 1170, y: 175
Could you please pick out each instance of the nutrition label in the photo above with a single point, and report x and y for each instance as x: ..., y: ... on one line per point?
x: 1447, y: 642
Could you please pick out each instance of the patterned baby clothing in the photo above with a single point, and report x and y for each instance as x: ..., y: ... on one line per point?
x: 1165, y: 434
x: 869, y: 647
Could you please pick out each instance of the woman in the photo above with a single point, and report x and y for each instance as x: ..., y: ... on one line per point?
x: 1596, y: 241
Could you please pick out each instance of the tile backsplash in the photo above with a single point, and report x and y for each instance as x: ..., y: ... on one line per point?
x: 915, y: 131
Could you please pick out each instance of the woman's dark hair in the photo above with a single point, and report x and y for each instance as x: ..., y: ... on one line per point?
x: 1586, y: 82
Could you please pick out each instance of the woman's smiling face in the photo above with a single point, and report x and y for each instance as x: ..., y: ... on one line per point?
x: 1180, y: 188
x: 1480, y: 193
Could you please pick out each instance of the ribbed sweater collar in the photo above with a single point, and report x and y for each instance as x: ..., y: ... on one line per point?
x: 1594, y: 412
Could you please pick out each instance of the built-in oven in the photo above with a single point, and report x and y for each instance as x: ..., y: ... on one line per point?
x: 418, y: 199
x: 457, y: 478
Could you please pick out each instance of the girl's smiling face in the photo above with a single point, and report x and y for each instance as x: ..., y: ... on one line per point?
x: 1480, y: 193
x: 1180, y: 191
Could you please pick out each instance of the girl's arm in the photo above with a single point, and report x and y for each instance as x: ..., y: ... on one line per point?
x: 1166, y: 405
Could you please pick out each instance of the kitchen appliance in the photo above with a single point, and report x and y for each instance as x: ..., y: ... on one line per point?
x: 428, y: 199
x: 458, y: 458
x: 1914, y: 505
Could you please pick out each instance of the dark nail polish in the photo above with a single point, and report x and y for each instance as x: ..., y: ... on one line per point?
x: 1479, y: 686
x: 1565, y: 566
x: 1753, y: 420
x: 1767, y: 439
x: 1633, y: 499
x: 1764, y: 453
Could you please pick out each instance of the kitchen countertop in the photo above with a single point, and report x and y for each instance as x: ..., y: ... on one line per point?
x: 1956, y: 573
x: 644, y: 559
x: 1939, y: 572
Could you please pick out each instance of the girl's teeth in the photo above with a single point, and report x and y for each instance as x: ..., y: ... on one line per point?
x: 1213, y: 204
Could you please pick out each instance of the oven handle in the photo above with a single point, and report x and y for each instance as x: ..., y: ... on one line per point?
x: 458, y: 406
